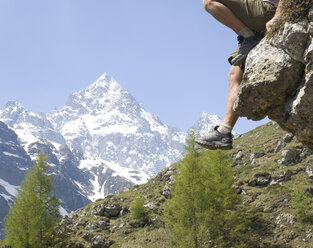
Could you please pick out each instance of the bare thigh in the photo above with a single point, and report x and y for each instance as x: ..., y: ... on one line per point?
x: 253, y: 13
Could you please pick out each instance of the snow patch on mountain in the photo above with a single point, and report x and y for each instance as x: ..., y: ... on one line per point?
x: 99, y: 168
x: 8, y: 191
x: 11, y: 189
x: 206, y: 123
x: 63, y: 212
x: 102, y: 141
x: 17, y: 117
x: 105, y: 121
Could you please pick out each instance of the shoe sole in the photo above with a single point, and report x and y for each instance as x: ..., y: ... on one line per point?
x: 239, y: 60
x: 215, y: 145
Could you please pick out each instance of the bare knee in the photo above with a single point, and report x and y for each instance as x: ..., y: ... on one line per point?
x: 235, y: 76
x: 208, y: 5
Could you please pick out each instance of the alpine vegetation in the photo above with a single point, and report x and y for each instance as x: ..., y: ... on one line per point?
x: 197, y: 193
x: 202, y: 210
x: 35, y: 212
x: 137, y: 208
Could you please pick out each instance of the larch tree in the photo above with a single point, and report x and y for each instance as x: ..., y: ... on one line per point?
x: 35, y: 211
x: 201, y: 211
x: 184, y: 208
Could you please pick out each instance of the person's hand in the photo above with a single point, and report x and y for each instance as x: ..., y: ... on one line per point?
x: 270, y: 23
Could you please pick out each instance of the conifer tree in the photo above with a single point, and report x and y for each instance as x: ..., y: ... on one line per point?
x: 201, y: 211
x: 35, y: 210
x: 224, y: 222
x: 183, y: 212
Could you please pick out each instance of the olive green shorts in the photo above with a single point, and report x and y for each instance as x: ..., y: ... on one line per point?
x: 254, y: 13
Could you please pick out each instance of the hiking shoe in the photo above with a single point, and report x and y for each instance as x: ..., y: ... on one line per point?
x: 216, y: 140
x: 245, y: 47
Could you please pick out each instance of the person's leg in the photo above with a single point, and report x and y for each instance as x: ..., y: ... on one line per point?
x: 235, y: 78
x: 245, y: 17
x: 221, y: 137
x: 224, y: 15
x: 237, y: 14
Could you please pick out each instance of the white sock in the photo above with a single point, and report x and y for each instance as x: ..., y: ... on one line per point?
x: 246, y: 32
x: 224, y: 128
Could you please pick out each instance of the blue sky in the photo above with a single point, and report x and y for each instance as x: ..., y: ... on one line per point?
x: 170, y: 55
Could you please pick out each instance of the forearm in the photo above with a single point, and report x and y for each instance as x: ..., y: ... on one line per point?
x: 278, y: 9
x: 276, y: 16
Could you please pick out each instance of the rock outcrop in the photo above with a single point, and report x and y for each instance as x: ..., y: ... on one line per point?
x: 278, y: 80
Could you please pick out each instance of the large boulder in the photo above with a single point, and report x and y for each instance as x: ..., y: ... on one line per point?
x: 278, y: 80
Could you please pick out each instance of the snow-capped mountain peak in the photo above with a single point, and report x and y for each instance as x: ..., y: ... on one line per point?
x: 24, y: 121
x: 105, y: 120
x: 102, y: 141
x: 13, y: 104
x: 206, y: 123
x: 102, y: 95
x: 12, y: 111
x: 105, y: 81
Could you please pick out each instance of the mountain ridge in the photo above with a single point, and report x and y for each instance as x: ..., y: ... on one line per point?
x: 101, y: 142
x: 106, y: 109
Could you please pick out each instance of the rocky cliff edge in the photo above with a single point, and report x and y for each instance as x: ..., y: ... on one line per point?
x: 278, y: 80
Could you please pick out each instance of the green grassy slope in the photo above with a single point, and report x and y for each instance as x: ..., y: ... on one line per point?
x: 267, y: 187
x: 266, y: 184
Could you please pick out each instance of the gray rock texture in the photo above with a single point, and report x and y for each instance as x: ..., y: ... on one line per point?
x: 290, y: 157
x: 280, y: 145
x: 309, y: 171
x: 239, y: 155
x: 278, y: 80
x: 288, y: 138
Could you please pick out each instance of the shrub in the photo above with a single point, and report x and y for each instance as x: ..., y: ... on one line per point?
x: 296, y: 9
x: 292, y: 11
x: 138, y: 209
x: 302, y: 203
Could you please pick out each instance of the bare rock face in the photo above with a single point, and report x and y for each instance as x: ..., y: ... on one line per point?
x: 278, y: 80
